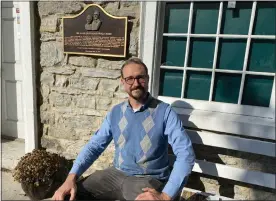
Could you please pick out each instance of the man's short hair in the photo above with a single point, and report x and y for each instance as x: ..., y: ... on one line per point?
x: 134, y: 61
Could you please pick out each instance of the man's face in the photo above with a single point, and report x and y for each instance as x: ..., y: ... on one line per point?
x: 88, y: 19
x: 96, y: 16
x: 136, y: 88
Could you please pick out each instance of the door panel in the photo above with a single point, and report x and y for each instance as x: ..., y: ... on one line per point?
x: 12, y: 74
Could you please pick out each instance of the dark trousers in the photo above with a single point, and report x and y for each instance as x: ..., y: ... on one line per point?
x: 112, y: 184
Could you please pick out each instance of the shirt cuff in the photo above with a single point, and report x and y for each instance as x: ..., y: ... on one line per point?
x: 76, y: 169
x: 170, y: 189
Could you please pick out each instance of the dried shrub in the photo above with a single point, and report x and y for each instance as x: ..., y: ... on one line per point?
x: 41, y: 172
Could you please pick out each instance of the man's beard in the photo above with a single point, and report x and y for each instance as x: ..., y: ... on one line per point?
x: 138, y: 93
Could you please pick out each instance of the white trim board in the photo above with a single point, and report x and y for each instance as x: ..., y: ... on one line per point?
x: 147, y: 36
x: 26, y: 18
x: 232, y: 142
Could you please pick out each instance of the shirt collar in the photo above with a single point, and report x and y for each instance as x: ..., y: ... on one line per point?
x: 143, y: 107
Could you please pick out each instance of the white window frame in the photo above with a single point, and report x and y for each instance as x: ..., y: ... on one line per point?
x: 151, y: 31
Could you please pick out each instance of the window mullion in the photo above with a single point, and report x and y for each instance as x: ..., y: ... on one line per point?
x: 216, y: 51
x: 272, y: 99
x: 227, y: 36
x: 247, y: 50
x: 187, y: 48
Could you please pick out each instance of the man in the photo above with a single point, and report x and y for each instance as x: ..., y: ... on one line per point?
x: 88, y: 26
x: 141, y: 128
x: 96, y: 23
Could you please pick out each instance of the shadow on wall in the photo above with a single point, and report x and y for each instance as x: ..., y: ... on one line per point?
x: 38, y: 70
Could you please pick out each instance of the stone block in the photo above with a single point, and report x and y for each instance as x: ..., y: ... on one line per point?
x: 64, y: 70
x: 44, y: 107
x: 108, y: 85
x: 45, y: 130
x: 89, y: 83
x: 49, y: 24
x: 59, y: 7
x: 103, y: 103
x: 45, y: 91
x: 90, y: 112
x: 67, y: 90
x: 63, y: 110
x: 62, y: 131
x: 51, y: 144
x: 81, y: 121
x: 73, y: 148
x: 129, y: 3
x: 47, y: 78
x: 241, y: 193
x: 60, y: 99
x: 256, y: 194
x: 61, y: 81
x: 51, y: 53
x: 112, y: 8
x: 83, y: 61
x: 84, y: 83
x: 47, y: 36
x: 133, y: 44
x: 100, y: 73
x: 47, y: 117
x: 107, y: 64
x: 131, y: 11
x: 86, y: 102
x: 108, y: 94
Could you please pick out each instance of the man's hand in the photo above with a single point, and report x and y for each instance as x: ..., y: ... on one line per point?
x: 68, y: 187
x: 152, y: 194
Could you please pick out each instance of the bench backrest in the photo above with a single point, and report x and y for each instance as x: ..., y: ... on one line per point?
x: 206, y: 128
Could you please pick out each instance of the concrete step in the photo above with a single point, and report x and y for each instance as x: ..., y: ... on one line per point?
x: 12, y: 151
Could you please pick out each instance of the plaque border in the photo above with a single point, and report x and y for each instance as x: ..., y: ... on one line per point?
x: 84, y: 9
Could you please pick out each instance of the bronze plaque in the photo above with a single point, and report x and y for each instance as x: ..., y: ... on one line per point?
x: 95, y: 32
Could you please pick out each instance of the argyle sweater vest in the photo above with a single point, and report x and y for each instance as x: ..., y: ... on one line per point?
x: 141, y: 148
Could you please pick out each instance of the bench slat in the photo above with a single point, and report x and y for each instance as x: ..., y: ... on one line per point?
x: 232, y: 142
x: 233, y: 127
x: 237, y: 174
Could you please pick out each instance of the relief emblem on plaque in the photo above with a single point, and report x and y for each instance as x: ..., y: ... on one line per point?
x: 95, y: 32
x: 93, y: 22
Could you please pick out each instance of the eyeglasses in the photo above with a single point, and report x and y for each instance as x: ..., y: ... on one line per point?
x: 140, y: 78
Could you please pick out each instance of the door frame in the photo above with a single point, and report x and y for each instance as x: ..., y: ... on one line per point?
x: 27, y: 33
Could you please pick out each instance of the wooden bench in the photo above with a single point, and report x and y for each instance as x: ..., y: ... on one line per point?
x: 234, y: 132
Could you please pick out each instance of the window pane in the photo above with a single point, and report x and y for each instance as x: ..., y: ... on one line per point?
x: 201, y: 53
x: 197, y: 85
x: 236, y: 21
x: 257, y: 90
x: 265, y: 19
x: 262, y: 56
x: 227, y: 88
x: 176, y: 17
x: 231, y: 54
x: 205, y: 18
x: 173, y: 51
x: 170, y: 82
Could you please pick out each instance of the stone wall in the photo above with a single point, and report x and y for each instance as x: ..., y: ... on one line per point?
x: 76, y: 95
